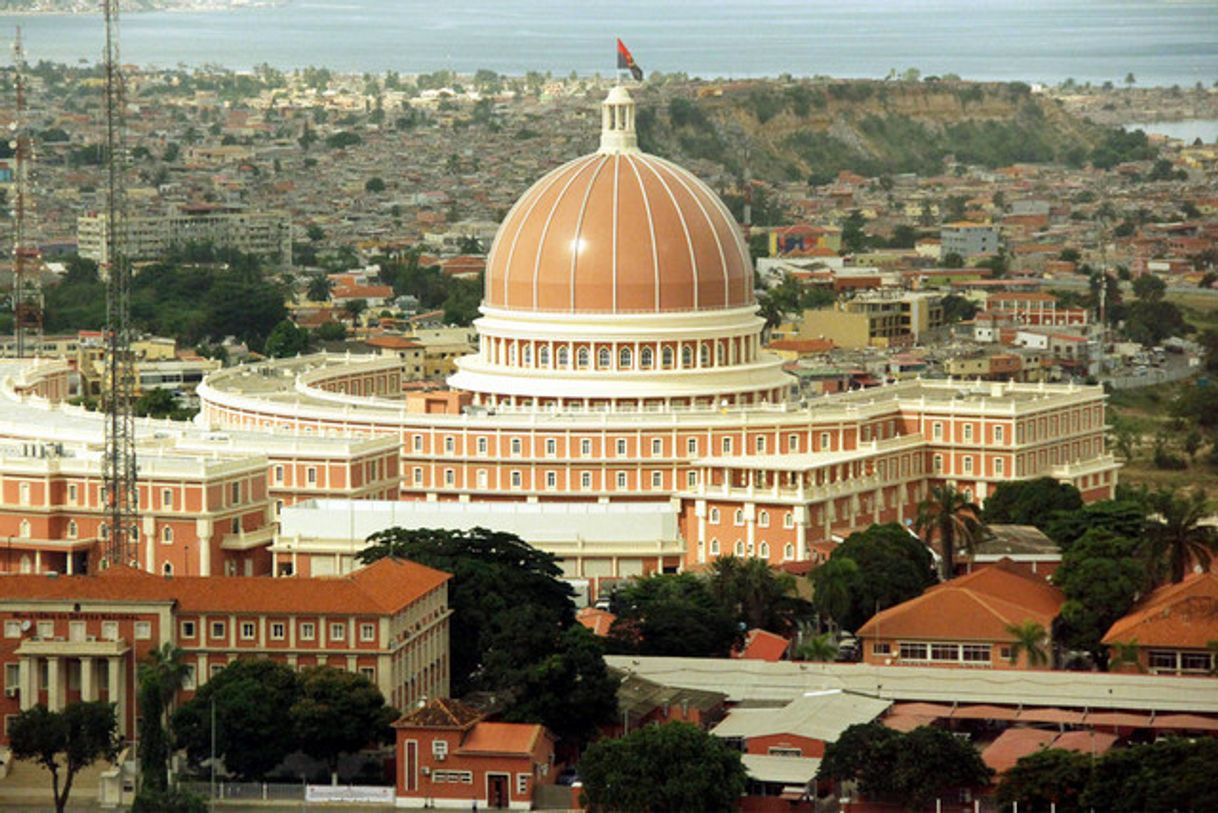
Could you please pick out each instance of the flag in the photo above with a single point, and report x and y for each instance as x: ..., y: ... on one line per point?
x: 625, y: 62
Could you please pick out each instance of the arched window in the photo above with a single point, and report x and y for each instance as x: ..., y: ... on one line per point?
x: 666, y: 358
x: 512, y: 354
x: 23, y: 530
x: 750, y: 549
x: 167, y: 535
x: 719, y: 354
x: 788, y: 552
x: 72, y: 529
x: 687, y: 356
x: 602, y: 358
x: 788, y: 520
x: 624, y: 358
x: 167, y: 569
x: 739, y: 517
x: 714, y: 548
x: 645, y: 358
x: 704, y: 355
x: 543, y: 356
x: 763, y: 519
x: 527, y: 355
x: 764, y: 550
x: 714, y: 516
x: 739, y: 549
x: 564, y: 358
x: 581, y: 358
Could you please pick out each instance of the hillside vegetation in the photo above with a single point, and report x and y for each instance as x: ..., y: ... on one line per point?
x: 811, y: 130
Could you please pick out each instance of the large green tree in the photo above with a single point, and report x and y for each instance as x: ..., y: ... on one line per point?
x: 161, y: 674
x: 253, y: 703
x: 508, y: 599
x: 756, y: 594
x: 65, y: 741
x: 891, y: 566
x: 1051, y: 777
x: 676, y: 768
x: 949, y: 518
x: 1124, y: 518
x: 911, y: 769
x: 338, y: 712
x: 1101, y: 576
x: 286, y: 339
x: 1030, y: 502
x: 672, y: 614
x: 570, y: 691
x: 1171, y: 774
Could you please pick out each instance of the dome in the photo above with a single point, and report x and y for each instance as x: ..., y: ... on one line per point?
x: 619, y: 231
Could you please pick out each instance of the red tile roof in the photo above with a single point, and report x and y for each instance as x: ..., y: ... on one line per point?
x: 1004, y: 752
x: 440, y: 713
x: 599, y: 621
x: 384, y: 587
x: 1183, y: 615
x: 760, y: 645
x: 978, y: 606
x: 502, y: 738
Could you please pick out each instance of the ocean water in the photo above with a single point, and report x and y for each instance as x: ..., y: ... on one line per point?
x: 1162, y: 42
x: 1186, y: 129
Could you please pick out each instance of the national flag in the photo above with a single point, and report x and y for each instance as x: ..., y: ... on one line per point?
x: 625, y: 62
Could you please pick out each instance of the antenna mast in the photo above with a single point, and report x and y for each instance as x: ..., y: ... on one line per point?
x: 121, y: 543
x: 26, y: 298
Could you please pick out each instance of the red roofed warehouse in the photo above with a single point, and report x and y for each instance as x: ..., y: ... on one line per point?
x: 1173, y: 628
x: 448, y: 756
x: 72, y: 638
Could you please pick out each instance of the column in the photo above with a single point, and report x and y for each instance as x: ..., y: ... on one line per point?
x: 118, y: 694
x: 27, y: 680
x: 54, y: 684
x: 88, y: 688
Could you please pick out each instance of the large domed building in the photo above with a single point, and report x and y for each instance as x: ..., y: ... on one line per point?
x: 620, y: 280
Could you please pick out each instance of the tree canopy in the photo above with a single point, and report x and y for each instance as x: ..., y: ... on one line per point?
x: 64, y: 741
x: 756, y: 594
x: 286, y: 339
x: 338, y: 712
x: 672, y: 614
x: 953, y: 520
x: 891, y: 567
x: 673, y: 767
x: 1101, y: 577
x: 1030, y: 502
x: 911, y: 769
x: 509, y: 602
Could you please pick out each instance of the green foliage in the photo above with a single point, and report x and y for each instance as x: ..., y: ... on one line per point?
x: 854, y: 239
x: 1030, y: 638
x: 286, y: 339
x: 1121, y: 518
x: 343, y: 139
x: 338, y: 712
x: 1030, y: 502
x: 890, y: 567
x: 1178, y: 539
x: 254, y: 699
x: 509, y: 604
x: 1171, y: 774
x: 161, y: 403
x: 953, y: 260
x: 160, y: 676
x: 671, y: 614
x: 756, y: 594
x: 375, y: 185
x: 1046, y: 778
x: 952, y: 520
x: 64, y: 741
x: 1151, y: 321
x: 1120, y: 146
x: 331, y: 332
x: 791, y: 296
x: 569, y: 691
x: 957, y: 308
x: 458, y: 298
x: 816, y: 648
x: 1101, y: 577
x: 911, y: 769
x: 674, y: 767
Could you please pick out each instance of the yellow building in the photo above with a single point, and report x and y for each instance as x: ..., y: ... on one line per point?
x: 874, y: 321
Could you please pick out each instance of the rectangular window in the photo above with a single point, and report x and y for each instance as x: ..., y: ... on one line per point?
x: 522, y: 784
x: 937, y: 463
x: 369, y: 673
x: 72, y: 493
x: 999, y: 434
x: 307, y: 631
x: 727, y: 445
x: 367, y: 632
x: 418, y: 475
x: 46, y: 629
x: 621, y: 447
x: 999, y: 467
x: 417, y: 442
x: 109, y: 630
x: 881, y: 648
x: 450, y: 477
x: 1162, y: 660
x: 691, y: 446
x: 236, y: 493
x: 217, y: 629
x: 760, y: 444
x: 167, y: 498
x: 944, y: 652
x: 188, y: 629
x: 621, y: 480
x: 585, y: 480
x: 311, y: 475
x: 439, y: 748
x: 551, y: 480
x: 279, y: 474
x: 776, y: 751
x: 657, y: 447
x: 278, y: 631
x: 657, y: 479
x: 143, y: 630
x: 516, y: 480
x: 515, y: 447
x: 792, y: 443
x: 338, y: 631
x: 975, y: 653
x: 450, y: 444
x: 190, y: 680
x: 551, y: 447
x: 968, y: 464
x: 1194, y: 661
x: 482, y: 446
x: 691, y: 479
x: 12, y: 675
x: 12, y: 629
x: 248, y: 630
x: 913, y: 652
x: 936, y: 430
x: 585, y: 447
x: 968, y: 433
x: 824, y: 442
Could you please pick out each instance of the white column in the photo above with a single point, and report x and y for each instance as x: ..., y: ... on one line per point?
x: 27, y: 680
x: 118, y: 695
x: 88, y: 687
x: 54, y: 684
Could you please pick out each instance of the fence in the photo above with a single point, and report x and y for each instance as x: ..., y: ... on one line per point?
x: 290, y: 792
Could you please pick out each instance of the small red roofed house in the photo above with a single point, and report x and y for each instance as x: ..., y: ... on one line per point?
x: 1174, y: 628
x: 463, y: 266
x: 760, y: 645
x: 449, y: 756
x: 963, y: 622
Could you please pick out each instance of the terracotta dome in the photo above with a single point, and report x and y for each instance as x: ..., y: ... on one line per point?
x: 619, y: 231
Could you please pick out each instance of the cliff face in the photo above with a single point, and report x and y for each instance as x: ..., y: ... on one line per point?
x: 812, y: 130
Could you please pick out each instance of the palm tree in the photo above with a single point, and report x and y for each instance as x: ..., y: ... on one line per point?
x: 1030, y: 638
x: 948, y: 516
x: 161, y: 674
x: 833, y: 587
x: 755, y: 592
x: 817, y: 648
x: 1177, y: 538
